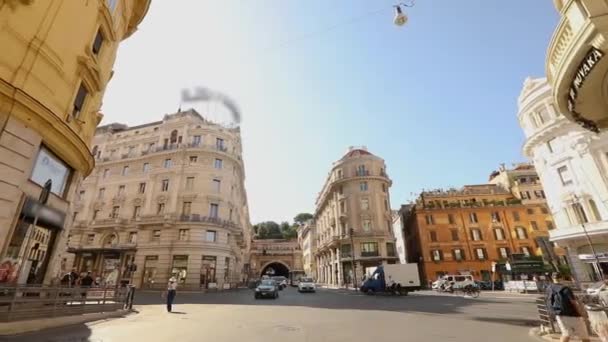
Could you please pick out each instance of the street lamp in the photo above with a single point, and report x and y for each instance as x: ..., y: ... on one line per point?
x: 400, y: 16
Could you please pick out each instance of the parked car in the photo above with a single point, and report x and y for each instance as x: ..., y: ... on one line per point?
x: 457, y: 281
x: 306, y: 285
x: 267, y: 288
x: 595, y: 288
x: 281, y: 281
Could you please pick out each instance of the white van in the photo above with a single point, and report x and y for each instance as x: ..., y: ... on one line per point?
x: 458, y: 281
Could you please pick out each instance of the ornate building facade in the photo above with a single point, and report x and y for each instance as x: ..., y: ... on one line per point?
x: 166, y: 199
x: 572, y: 164
x: 353, y: 219
x: 463, y: 231
x: 56, y: 61
x: 577, y: 64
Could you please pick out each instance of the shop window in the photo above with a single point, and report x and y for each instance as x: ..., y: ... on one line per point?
x: 50, y: 167
x: 179, y: 268
x: 208, y: 267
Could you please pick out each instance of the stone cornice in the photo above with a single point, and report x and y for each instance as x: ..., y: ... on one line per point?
x: 56, y: 133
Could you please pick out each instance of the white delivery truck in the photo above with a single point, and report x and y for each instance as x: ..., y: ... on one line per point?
x: 393, y: 279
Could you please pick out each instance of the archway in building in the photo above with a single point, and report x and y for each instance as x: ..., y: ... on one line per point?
x: 274, y: 269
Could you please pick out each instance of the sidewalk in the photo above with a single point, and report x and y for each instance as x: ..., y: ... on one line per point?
x: 535, y: 332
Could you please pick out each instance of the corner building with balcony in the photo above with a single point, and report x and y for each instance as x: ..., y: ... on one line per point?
x: 167, y: 197
x: 572, y: 164
x: 354, y: 200
x: 462, y: 231
x: 56, y: 61
x: 577, y: 65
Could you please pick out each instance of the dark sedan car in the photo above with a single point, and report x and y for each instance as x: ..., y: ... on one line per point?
x: 267, y: 288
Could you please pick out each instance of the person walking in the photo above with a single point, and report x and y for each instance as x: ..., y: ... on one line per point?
x: 569, y: 314
x: 171, y: 292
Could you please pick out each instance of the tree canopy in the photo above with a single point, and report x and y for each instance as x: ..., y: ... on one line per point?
x: 301, y: 218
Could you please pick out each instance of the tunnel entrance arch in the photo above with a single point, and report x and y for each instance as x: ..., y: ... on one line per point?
x: 274, y: 269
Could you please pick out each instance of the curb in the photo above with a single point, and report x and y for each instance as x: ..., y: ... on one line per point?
x: 27, y: 326
x: 535, y: 333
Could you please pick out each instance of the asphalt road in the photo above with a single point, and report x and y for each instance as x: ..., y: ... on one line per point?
x: 328, y: 315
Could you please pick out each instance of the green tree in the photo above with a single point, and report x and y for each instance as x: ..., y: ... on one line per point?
x: 268, y: 230
x: 301, y: 218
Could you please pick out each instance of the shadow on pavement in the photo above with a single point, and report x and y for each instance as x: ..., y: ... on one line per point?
x: 70, y: 333
x: 519, y: 322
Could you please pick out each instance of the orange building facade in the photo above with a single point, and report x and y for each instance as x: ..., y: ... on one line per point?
x: 463, y: 231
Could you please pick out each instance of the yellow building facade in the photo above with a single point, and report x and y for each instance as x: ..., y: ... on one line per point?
x: 56, y: 61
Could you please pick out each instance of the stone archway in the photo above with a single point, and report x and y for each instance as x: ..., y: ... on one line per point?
x: 275, y: 268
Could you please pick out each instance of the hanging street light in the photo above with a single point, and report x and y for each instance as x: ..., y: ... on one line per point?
x: 400, y: 16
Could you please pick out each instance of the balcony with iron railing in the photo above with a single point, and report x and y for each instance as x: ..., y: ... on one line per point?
x: 169, y: 148
x: 369, y: 254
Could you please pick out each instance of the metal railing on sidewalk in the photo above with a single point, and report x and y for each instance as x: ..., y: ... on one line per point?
x: 34, y: 302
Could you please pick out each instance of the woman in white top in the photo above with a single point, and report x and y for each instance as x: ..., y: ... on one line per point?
x: 171, y: 291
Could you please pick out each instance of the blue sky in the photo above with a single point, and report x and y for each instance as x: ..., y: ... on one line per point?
x: 437, y: 99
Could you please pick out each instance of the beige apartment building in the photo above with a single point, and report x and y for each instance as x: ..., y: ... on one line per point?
x: 522, y: 181
x: 56, y: 61
x: 353, y: 219
x: 306, y: 240
x: 166, y: 199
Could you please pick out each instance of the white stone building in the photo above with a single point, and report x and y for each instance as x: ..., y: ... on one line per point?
x: 398, y: 232
x: 572, y: 164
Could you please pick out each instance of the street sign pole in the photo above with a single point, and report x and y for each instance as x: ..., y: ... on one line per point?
x: 43, y: 199
x: 352, y: 258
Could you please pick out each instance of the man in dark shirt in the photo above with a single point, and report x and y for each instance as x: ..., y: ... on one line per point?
x: 87, y: 280
x: 568, y: 312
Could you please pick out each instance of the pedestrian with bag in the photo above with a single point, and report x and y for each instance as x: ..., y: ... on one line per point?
x: 171, y: 292
x: 569, y: 313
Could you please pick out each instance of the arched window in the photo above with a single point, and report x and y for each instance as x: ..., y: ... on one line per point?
x: 173, y: 139
x: 595, y: 210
